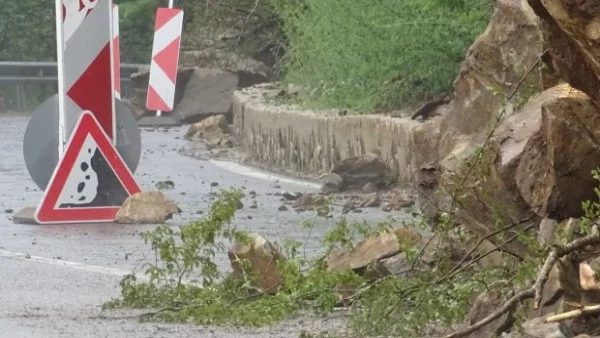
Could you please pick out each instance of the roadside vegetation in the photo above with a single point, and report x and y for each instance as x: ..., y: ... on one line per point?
x: 360, y: 55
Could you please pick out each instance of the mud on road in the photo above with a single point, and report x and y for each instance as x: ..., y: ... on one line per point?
x: 55, y: 278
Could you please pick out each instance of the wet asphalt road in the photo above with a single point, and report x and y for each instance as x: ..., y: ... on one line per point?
x: 54, y: 279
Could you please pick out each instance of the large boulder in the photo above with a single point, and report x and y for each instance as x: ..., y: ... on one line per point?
x: 140, y: 82
x: 572, y: 33
x: 208, y: 91
x: 248, y: 70
x: 357, y: 171
x: 215, y: 125
x: 150, y: 207
x: 256, y: 260
x: 533, y: 162
x: 495, y: 64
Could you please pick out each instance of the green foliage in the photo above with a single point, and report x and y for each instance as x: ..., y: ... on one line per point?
x: 367, y: 55
x: 185, y: 285
x: 591, y: 208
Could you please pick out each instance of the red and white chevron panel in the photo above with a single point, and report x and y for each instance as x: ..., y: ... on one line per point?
x: 165, y: 58
x: 116, y: 51
x: 86, y: 65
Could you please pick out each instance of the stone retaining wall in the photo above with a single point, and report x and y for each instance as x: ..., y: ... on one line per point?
x: 311, y: 142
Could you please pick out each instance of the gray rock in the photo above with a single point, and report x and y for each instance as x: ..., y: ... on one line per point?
x: 208, y: 92
x: 332, y: 183
x: 536, y: 328
x: 547, y: 232
x: 25, y: 216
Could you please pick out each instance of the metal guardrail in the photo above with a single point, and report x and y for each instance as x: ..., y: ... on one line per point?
x: 18, y: 73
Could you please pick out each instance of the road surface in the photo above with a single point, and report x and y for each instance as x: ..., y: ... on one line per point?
x: 54, y: 279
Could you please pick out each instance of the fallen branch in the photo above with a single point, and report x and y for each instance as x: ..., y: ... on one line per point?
x: 535, y: 291
x: 586, y: 310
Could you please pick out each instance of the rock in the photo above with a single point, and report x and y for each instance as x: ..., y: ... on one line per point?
x: 485, y: 304
x: 547, y: 232
x: 397, y: 265
x: 491, y: 61
x: 139, y: 82
x: 208, y: 91
x: 370, y: 201
x: 291, y: 196
x: 332, y: 183
x: 211, y: 127
x: 262, y: 258
x: 25, y: 216
x: 308, y: 202
x: 372, y: 249
x: 164, y: 185
x: 537, y: 328
x: 571, y: 30
x: 550, y: 176
x: 282, y: 208
x: 369, y: 187
x: 248, y: 71
x: 360, y: 170
x: 151, y: 207
x: 254, y: 205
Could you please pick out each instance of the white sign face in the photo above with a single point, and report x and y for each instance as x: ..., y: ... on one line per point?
x: 82, y: 185
x: 74, y: 13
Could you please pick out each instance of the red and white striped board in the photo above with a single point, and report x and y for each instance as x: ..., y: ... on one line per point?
x: 116, y: 51
x: 165, y: 58
x: 85, y: 64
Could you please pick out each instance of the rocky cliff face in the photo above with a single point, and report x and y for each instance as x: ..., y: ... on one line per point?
x: 537, y: 150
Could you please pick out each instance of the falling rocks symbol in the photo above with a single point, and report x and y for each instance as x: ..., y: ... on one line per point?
x: 109, y: 190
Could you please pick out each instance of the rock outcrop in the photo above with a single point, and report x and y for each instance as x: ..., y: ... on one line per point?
x: 151, y: 207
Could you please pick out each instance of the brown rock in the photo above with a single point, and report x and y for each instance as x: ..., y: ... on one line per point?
x: 369, y: 187
x: 150, y: 207
x: 372, y: 249
x: 208, y: 91
x: 370, y: 201
x: 499, y: 58
x: 485, y: 304
x: 547, y: 232
x: 262, y: 258
x: 211, y: 127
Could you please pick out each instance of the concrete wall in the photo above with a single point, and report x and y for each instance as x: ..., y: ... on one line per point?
x: 311, y: 142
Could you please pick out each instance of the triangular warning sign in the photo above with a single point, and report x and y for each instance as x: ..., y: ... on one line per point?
x: 91, y: 180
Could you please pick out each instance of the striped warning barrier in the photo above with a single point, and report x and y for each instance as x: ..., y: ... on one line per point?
x: 116, y: 51
x: 85, y: 64
x: 165, y: 57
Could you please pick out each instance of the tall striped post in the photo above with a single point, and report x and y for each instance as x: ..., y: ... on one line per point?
x: 85, y: 64
x: 165, y: 58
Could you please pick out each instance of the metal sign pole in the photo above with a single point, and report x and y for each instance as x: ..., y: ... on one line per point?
x: 61, y: 82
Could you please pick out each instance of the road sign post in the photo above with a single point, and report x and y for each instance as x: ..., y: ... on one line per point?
x: 165, y: 59
x: 116, y: 51
x: 91, y: 180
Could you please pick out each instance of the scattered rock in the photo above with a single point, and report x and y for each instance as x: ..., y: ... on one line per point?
x: 485, y: 304
x: 370, y: 201
x: 374, y: 248
x: 537, y: 328
x: 357, y: 171
x: 212, y: 127
x: 165, y: 185
x: 291, y: 196
x: 9, y: 211
x: 208, y: 91
x: 151, y: 207
x: 214, y: 184
x: 282, y: 208
x: 369, y: 187
x: 547, y: 232
x: 254, y: 205
x: 262, y: 257
x: 397, y: 265
x: 25, y: 216
x: 332, y: 183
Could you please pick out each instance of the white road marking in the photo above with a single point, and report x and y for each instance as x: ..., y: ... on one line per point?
x: 251, y: 172
x: 67, y: 264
